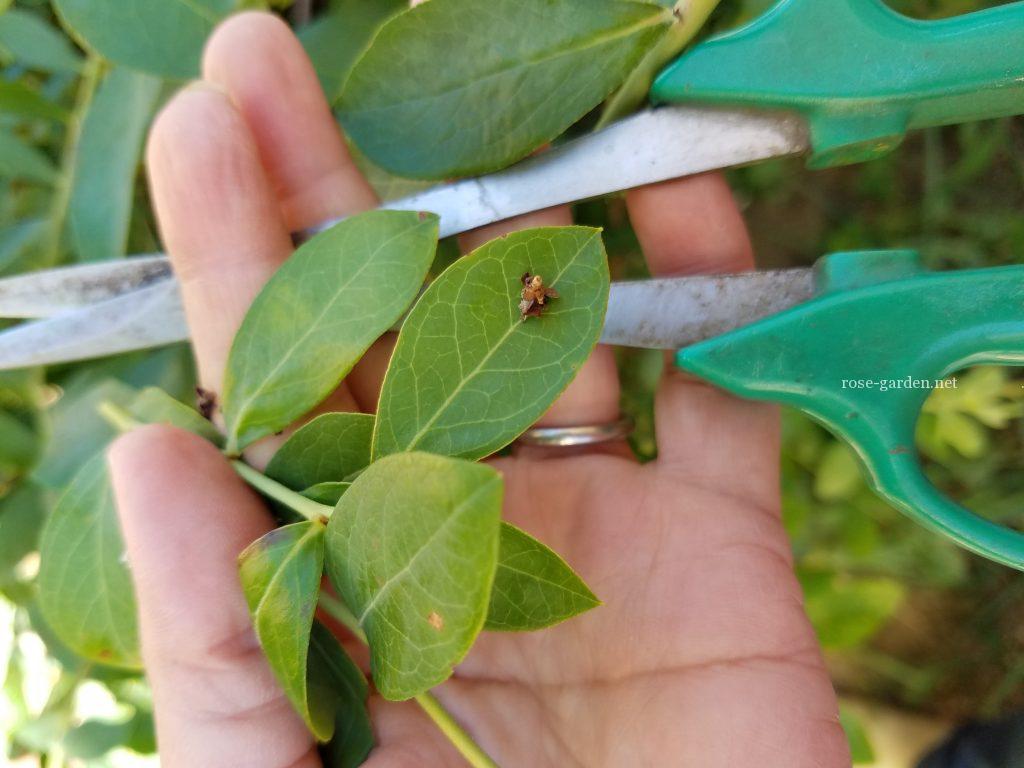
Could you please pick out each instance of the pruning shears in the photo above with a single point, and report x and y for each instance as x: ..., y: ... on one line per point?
x: 841, y: 81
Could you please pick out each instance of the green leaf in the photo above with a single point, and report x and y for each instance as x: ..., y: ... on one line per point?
x: 19, y: 444
x: 334, y: 675
x: 469, y: 373
x: 85, y: 589
x: 634, y: 90
x: 20, y: 160
x: 154, y: 406
x: 412, y: 549
x: 22, y: 513
x: 19, y: 242
x: 523, y: 73
x: 335, y: 40
x: 106, y: 162
x: 326, y: 493
x: 35, y: 44
x: 533, y: 587
x: 280, y: 575
x: 318, y: 314
x: 326, y: 450
x: 18, y: 99
x: 860, y: 745
x: 94, y: 738
x: 161, y: 37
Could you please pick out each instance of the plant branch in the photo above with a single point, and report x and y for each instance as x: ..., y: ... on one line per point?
x: 309, y: 509
x: 117, y: 417
x: 433, y: 708
x: 461, y: 740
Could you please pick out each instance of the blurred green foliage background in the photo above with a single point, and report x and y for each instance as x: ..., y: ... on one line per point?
x: 907, y: 618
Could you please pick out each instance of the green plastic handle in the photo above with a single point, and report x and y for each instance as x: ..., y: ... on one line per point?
x: 881, y: 317
x: 860, y: 73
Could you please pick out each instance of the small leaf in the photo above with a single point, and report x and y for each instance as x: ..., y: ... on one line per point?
x: 35, y: 44
x: 280, y: 575
x: 154, y: 406
x: 469, y: 373
x: 335, y: 677
x: 523, y: 73
x: 533, y: 587
x: 20, y: 160
x: 18, y: 99
x: 318, y: 314
x: 335, y: 40
x: 106, y: 161
x: 326, y: 493
x: 85, y: 589
x: 412, y: 548
x: 328, y: 449
x: 161, y: 37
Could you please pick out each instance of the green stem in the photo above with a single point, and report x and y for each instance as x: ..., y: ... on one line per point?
x: 91, y: 74
x: 308, y: 508
x: 117, y: 417
x: 455, y: 733
x: 338, y: 611
x: 433, y: 708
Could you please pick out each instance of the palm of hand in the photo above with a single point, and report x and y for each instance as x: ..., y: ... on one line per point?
x: 701, y: 655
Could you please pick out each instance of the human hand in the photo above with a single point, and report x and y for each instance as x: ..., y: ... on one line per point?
x: 701, y: 654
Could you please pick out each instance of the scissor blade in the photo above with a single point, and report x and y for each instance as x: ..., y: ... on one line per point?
x: 148, y: 317
x: 50, y: 292
x: 675, y: 312
x: 653, y: 146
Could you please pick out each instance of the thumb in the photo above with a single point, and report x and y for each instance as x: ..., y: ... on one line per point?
x: 186, y: 517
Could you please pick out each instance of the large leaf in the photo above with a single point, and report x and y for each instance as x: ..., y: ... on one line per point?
x: 411, y: 548
x: 336, y: 39
x: 280, y: 576
x: 318, y: 314
x: 162, y: 37
x: 106, y: 161
x: 336, y: 677
x: 469, y: 373
x: 326, y: 450
x: 326, y: 493
x: 85, y: 589
x: 515, y: 74
x: 16, y: 98
x: 35, y: 44
x: 20, y: 160
x: 533, y: 587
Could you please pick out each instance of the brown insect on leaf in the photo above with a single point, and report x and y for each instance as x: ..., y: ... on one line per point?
x: 435, y: 620
x: 206, y: 402
x: 535, y: 295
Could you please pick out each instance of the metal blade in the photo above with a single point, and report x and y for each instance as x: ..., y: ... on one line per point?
x: 676, y: 312
x: 653, y: 146
x: 149, y: 317
x: 50, y: 292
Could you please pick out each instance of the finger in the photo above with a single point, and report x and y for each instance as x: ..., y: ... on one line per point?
x: 218, y: 216
x: 593, y: 396
x: 692, y: 226
x: 265, y: 71
x: 186, y: 517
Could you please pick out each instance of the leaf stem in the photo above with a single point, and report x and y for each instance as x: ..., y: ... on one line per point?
x: 461, y: 740
x: 117, y: 417
x: 340, y: 612
x: 309, y: 509
x: 433, y: 708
